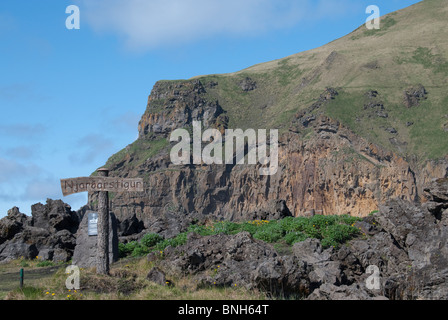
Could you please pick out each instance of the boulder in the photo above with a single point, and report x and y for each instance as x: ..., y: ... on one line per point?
x: 329, y: 291
x: 275, y: 210
x: 85, y: 252
x: 322, y: 268
x: 12, y: 224
x: 157, y: 276
x: 55, y: 215
x: 130, y: 226
x: 17, y: 249
x: 437, y: 191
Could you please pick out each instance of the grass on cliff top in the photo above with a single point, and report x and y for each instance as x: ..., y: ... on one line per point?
x: 426, y: 137
x: 409, y: 49
x: 137, y: 153
x: 332, y: 230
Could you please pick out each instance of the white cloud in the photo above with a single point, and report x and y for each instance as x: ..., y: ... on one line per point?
x: 13, y: 170
x: 23, y: 91
x: 22, y: 152
x: 149, y: 24
x: 41, y: 189
x: 90, y: 148
x: 23, y: 130
x: 24, y: 184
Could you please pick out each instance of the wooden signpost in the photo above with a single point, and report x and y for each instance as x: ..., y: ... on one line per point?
x: 101, y: 184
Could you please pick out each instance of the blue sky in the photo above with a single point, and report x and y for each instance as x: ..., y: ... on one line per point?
x: 69, y: 99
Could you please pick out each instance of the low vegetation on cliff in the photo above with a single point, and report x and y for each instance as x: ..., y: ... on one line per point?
x: 332, y: 230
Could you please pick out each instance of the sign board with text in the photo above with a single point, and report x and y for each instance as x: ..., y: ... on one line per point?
x: 92, y: 224
x: 93, y: 184
x: 98, y: 222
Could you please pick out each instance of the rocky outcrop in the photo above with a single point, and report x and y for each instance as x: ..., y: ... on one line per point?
x: 238, y: 260
x: 54, y: 216
x: 157, y: 276
x: 12, y: 224
x: 242, y: 261
x: 248, y: 84
x: 406, y: 242
x: 173, y: 105
x: 413, y: 96
x: 47, y: 234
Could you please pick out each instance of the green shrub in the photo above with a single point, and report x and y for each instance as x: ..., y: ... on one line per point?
x: 249, y: 227
x: 179, y: 240
x: 348, y: 219
x: 127, y: 249
x: 201, y: 230
x: 338, y: 234
x: 329, y: 242
x: 140, y: 250
x: 121, y: 250
x: 151, y: 239
x: 268, y: 235
x: 331, y: 230
x: 227, y: 227
x: 293, y: 237
x: 271, y: 232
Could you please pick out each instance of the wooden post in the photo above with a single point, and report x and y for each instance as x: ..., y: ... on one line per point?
x: 102, y: 258
x: 21, y: 278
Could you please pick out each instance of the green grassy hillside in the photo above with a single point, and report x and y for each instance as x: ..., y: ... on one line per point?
x: 391, y: 84
x: 409, y: 50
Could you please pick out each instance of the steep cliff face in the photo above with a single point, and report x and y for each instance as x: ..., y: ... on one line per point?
x: 324, y: 168
x: 359, y: 122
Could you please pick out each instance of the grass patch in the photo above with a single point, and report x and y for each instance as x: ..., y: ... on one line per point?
x: 429, y: 139
x: 127, y: 281
x: 37, y: 275
x: 425, y: 138
x: 385, y: 24
x: 287, y: 73
x: 426, y: 58
x: 45, y: 263
x: 139, y: 151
